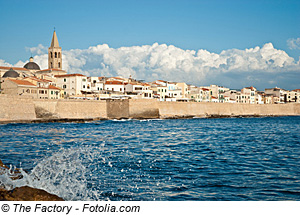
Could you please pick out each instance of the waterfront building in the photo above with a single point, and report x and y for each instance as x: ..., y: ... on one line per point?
x: 139, y: 90
x: 217, y: 91
x: 184, y: 89
x: 116, y: 87
x: 95, y: 84
x: 161, y: 92
x: 249, y: 93
x: 72, y: 84
x: 32, y: 88
x: 279, y: 95
x: 193, y: 93
x: 229, y: 96
x: 159, y: 89
x: 293, y: 96
x: 19, y: 87
x: 173, y: 91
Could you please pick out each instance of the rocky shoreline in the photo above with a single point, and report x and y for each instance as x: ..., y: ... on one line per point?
x: 83, y: 120
x: 24, y: 193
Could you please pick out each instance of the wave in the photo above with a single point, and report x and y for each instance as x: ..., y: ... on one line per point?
x: 63, y: 174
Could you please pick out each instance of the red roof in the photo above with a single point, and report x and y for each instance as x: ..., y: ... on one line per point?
x: 21, y: 82
x: 68, y: 75
x: 37, y: 79
x: 118, y: 78
x: 205, y: 89
x: 14, y: 68
x: 53, y: 87
x: 114, y: 83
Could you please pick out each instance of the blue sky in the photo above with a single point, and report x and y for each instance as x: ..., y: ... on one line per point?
x: 212, y: 25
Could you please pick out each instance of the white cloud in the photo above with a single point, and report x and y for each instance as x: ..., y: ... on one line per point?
x: 40, y: 49
x: 149, y: 62
x: 293, y: 43
x: 4, y: 63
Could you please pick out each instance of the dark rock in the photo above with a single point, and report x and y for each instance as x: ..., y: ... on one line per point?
x: 24, y: 193
x: 27, y: 194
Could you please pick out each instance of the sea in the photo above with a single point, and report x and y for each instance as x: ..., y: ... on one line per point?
x: 199, y: 159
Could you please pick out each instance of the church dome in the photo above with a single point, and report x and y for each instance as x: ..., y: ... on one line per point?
x: 11, y: 74
x: 31, y: 65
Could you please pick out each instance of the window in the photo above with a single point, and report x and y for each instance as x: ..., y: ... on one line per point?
x: 51, y: 92
x: 94, y: 81
x: 65, y: 80
x: 55, y: 54
x: 58, y: 64
x: 83, y: 86
x: 84, y: 79
x: 64, y: 86
x: 51, y: 65
x: 58, y: 54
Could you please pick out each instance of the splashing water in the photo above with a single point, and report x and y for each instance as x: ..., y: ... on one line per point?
x: 63, y: 174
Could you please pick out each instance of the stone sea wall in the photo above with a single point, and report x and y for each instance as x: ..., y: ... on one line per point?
x: 70, y: 109
x: 19, y: 108
x: 16, y: 108
x: 177, y: 109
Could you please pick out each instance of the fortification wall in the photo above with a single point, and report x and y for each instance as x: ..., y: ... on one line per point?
x: 16, y: 108
x: 72, y: 109
x: 143, y: 108
x: 117, y: 109
x: 177, y: 109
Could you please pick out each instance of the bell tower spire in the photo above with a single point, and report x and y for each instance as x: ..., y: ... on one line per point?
x: 54, y: 54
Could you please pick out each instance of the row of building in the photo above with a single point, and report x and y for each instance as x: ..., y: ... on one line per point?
x: 55, y: 83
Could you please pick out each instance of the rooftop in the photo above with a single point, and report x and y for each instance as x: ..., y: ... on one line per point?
x: 22, y: 82
x: 69, y: 75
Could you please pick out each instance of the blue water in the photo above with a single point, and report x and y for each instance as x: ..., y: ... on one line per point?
x: 184, y: 159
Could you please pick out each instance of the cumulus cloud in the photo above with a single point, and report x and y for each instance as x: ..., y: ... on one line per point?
x: 40, y: 49
x: 293, y: 43
x: 234, y: 68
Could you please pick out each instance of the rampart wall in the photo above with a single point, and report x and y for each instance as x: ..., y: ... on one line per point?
x: 178, y: 109
x: 14, y: 108
x: 77, y: 109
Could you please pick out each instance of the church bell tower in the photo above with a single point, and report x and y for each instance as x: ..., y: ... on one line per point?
x: 54, y: 54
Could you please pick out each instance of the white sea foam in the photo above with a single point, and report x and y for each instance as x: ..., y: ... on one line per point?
x: 64, y: 174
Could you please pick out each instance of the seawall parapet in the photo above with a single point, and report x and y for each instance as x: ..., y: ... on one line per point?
x: 21, y: 109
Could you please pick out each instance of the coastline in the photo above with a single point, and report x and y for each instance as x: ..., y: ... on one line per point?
x: 81, y: 120
x: 19, y: 109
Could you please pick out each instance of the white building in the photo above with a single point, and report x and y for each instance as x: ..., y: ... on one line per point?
x: 114, y: 86
x: 139, y: 89
x: 72, y: 84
